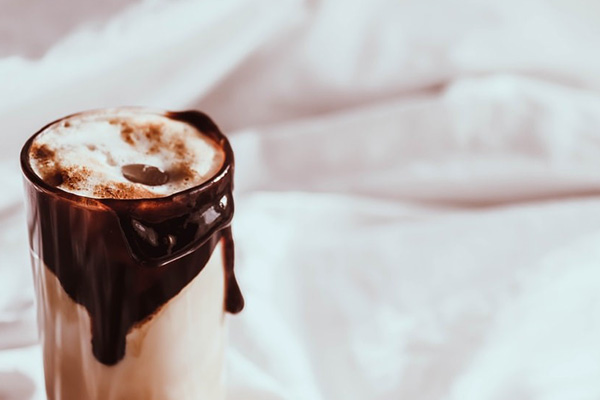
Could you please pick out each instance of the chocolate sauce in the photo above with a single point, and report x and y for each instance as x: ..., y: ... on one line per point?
x: 124, y: 259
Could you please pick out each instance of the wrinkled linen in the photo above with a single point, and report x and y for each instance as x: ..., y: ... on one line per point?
x: 417, y: 189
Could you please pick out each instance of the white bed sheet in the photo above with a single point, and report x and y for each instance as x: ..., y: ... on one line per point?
x: 417, y: 190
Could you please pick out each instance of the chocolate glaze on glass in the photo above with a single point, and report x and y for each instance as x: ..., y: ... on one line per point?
x: 124, y: 259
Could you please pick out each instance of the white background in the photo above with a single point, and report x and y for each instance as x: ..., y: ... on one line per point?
x: 417, y: 182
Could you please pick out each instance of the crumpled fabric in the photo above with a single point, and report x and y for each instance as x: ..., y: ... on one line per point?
x: 417, y: 186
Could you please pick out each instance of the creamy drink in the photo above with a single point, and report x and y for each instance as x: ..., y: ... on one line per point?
x: 129, y: 212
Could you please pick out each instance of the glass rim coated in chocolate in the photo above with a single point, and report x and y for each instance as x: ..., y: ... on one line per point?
x: 199, y: 120
x: 134, y: 254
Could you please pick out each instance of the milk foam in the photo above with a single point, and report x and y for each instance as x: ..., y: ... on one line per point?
x: 84, y: 154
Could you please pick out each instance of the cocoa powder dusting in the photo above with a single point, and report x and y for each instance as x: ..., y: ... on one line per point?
x: 73, y: 177
x: 127, y: 133
x: 120, y: 190
x: 154, y: 148
x: 50, y: 169
x: 181, y: 172
x: 153, y: 132
x: 42, y: 153
x: 179, y: 148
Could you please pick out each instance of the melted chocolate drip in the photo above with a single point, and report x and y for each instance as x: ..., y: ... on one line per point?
x: 124, y: 259
x: 144, y: 174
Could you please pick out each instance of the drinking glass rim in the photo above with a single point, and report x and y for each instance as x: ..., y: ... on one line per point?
x: 192, y: 117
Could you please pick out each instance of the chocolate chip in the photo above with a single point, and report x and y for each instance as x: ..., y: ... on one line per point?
x: 144, y: 174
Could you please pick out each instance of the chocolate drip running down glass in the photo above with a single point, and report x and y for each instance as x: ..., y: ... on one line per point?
x: 129, y: 215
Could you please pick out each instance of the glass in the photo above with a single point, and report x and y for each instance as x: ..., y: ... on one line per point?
x: 131, y: 294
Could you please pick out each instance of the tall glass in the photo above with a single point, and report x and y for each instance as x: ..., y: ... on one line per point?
x: 131, y: 293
